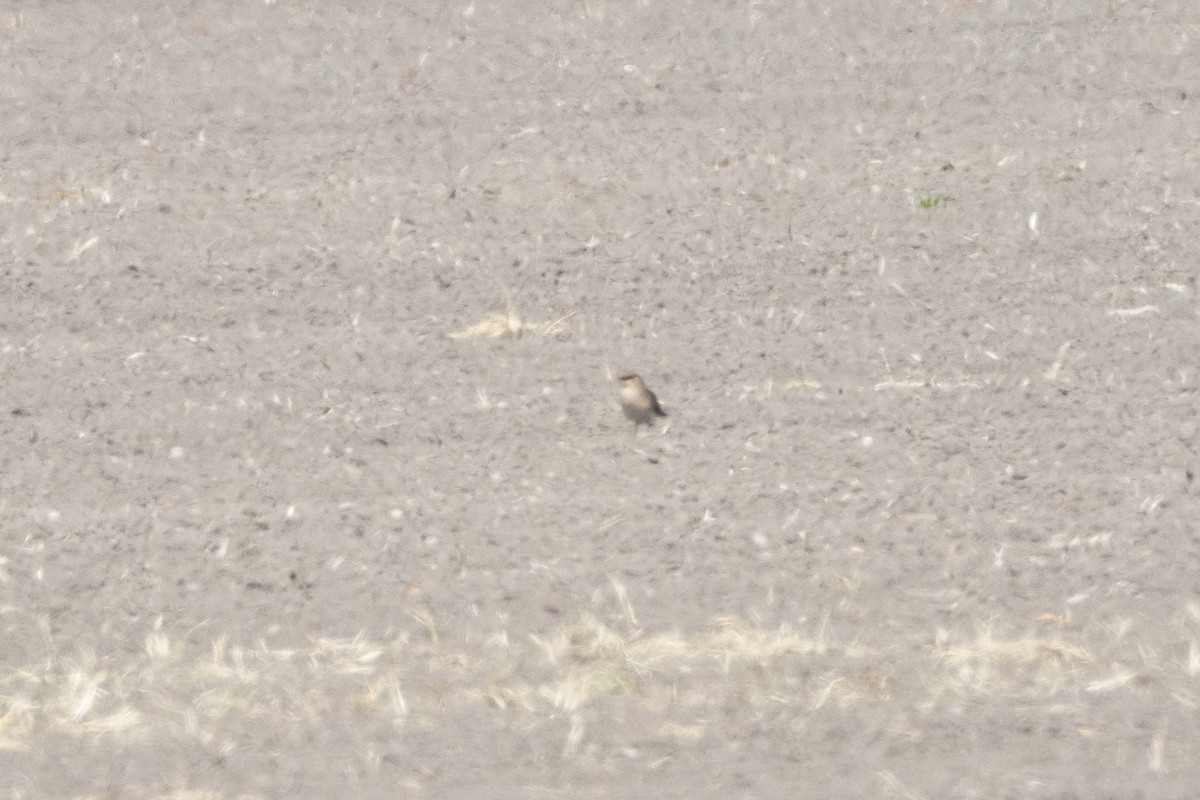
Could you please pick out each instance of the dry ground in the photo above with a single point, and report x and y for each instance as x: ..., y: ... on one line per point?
x: 283, y: 518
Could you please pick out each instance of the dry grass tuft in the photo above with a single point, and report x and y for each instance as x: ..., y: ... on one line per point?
x: 592, y: 659
x: 1027, y: 668
x: 510, y: 325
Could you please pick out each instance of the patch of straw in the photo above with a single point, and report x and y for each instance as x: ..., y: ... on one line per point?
x: 510, y: 325
x: 1037, y: 667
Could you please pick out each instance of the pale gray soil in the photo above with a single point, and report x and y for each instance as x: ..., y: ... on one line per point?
x: 238, y: 412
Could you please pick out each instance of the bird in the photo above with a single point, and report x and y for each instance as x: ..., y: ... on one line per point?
x: 638, y: 402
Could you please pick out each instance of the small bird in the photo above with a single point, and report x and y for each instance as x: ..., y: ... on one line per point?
x: 638, y: 402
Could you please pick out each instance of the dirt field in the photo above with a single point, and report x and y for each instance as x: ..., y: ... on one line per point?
x: 916, y: 283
